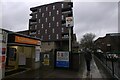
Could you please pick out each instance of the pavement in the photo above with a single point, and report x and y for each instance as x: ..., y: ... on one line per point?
x: 97, y: 72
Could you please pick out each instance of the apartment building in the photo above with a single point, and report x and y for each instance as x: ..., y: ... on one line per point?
x: 108, y: 43
x: 48, y: 22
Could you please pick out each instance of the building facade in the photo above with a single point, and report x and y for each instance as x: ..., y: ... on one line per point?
x: 3, y: 51
x: 108, y: 43
x: 22, y: 51
x: 48, y: 22
x: 24, y: 32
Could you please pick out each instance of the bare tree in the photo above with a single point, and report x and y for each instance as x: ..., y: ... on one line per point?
x: 87, y: 41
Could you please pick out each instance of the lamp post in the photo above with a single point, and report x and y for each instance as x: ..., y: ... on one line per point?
x: 69, y: 24
x: 69, y: 39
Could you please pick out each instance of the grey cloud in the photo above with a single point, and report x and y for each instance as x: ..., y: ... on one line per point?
x: 96, y: 17
x: 99, y: 18
x: 15, y: 16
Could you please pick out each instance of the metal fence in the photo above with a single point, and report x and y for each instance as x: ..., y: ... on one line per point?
x: 111, y: 63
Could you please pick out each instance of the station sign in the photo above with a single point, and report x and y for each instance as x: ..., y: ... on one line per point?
x: 69, y: 21
x: 62, y: 59
x: 20, y: 39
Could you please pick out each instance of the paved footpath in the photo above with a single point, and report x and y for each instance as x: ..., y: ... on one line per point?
x: 94, y: 73
x: 39, y: 74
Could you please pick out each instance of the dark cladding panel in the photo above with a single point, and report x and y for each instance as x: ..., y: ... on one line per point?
x: 11, y: 38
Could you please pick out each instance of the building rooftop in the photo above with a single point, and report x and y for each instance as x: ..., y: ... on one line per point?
x: 47, y: 4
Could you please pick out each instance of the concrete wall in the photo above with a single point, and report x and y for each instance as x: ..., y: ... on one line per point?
x: 47, y: 46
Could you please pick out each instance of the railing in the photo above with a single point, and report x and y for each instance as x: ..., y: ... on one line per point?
x: 112, y: 62
x: 66, y: 12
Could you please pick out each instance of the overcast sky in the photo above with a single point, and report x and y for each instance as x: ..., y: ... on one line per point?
x: 96, y: 17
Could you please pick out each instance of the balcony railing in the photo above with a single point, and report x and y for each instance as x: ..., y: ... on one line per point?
x: 31, y: 23
x: 66, y: 12
x: 67, y: 9
x: 33, y: 9
x: 63, y: 21
x: 33, y: 13
x: 64, y: 24
x: 33, y: 19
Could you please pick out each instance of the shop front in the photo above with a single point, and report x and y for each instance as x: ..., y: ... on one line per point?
x: 23, y: 52
x: 3, y: 46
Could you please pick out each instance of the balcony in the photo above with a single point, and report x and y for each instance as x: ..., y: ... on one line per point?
x: 33, y: 19
x: 71, y: 4
x: 33, y: 29
x: 65, y: 35
x: 33, y: 9
x: 63, y: 21
x: 69, y: 8
x: 64, y: 25
x: 33, y: 13
x: 31, y: 23
x: 69, y: 13
x: 66, y: 12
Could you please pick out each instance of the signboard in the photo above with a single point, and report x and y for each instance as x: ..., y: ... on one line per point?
x: 69, y: 21
x: 46, y: 59
x: 26, y: 40
x: 62, y: 59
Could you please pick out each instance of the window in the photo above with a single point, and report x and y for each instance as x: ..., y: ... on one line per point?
x: 38, y: 31
x: 42, y: 25
x: 30, y: 27
x: 53, y: 30
x: 49, y: 13
x: 62, y: 17
x: 42, y: 14
x: 36, y: 15
x: 40, y: 10
x: 46, y: 31
x: 35, y: 26
x: 62, y: 5
x: 39, y: 20
x: 57, y: 24
x: 57, y: 11
x: 49, y: 24
x: 62, y: 29
x: 46, y: 8
x: 57, y: 36
x: 46, y: 19
x: 49, y: 37
x: 42, y: 37
x: 53, y: 7
x: 53, y: 18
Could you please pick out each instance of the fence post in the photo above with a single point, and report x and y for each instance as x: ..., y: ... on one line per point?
x: 106, y: 59
x: 112, y: 67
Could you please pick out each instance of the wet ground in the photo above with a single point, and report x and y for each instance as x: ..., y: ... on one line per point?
x: 97, y: 72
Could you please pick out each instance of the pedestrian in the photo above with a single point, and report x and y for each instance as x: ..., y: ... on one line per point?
x: 88, y: 58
